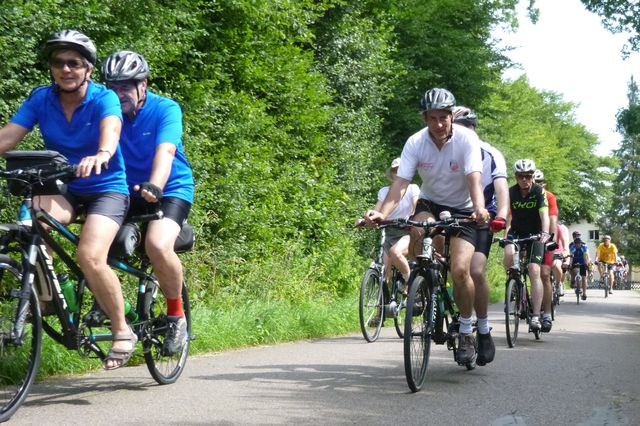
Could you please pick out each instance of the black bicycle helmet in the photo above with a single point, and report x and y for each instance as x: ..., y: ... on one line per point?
x: 438, y: 99
x: 74, y: 40
x: 125, y: 65
x: 465, y: 116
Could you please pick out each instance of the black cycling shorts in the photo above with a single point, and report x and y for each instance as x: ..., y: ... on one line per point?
x: 467, y: 232
x: 582, y: 266
x: 173, y: 208
x: 534, y: 250
x: 113, y: 205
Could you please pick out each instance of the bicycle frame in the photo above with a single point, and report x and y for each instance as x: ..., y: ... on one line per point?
x: 40, y: 264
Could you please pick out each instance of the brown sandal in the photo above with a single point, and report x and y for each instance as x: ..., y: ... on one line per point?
x: 121, y: 355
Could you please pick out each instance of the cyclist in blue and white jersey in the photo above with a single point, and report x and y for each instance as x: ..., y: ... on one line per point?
x: 449, y: 161
x: 496, y: 196
x: 157, y: 169
x: 579, y: 261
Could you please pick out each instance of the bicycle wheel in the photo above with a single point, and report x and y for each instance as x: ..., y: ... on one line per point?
x: 165, y: 369
x: 417, y: 332
x: 605, y: 283
x: 371, y: 306
x: 578, y: 288
x: 512, y: 311
x: 18, y: 363
x: 398, y: 319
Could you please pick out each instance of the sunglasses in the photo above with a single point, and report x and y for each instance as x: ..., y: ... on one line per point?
x: 524, y: 176
x: 72, y: 64
x: 122, y: 85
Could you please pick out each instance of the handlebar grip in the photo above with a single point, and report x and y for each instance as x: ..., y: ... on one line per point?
x: 146, y: 217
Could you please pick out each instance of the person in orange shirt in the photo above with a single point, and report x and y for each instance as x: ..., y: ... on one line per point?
x: 545, y: 268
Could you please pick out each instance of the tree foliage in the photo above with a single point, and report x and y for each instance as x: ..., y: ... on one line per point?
x: 623, y: 218
x: 619, y: 16
x: 293, y: 109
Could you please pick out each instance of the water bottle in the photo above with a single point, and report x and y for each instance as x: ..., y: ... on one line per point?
x: 24, y: 216
x: 69, y: 292
x: 130, y: 312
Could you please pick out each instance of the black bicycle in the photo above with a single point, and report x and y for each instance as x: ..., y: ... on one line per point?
x: 32, y: 299
x: 377, y: 302
x: 555, y: 286
x: 431, y: 311
x: 517, y: 300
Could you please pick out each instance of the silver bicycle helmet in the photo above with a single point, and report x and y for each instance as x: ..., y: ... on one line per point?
x: 524, y: 166
x: 438, y: 98
x: 74, y: 40
x: 538, y: 176
x: 125, y: 65
x: 465, y: 116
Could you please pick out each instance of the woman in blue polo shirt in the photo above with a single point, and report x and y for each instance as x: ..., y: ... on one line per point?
x: 82, y: 120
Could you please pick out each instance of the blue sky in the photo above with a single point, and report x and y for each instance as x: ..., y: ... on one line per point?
x: 569, y: 52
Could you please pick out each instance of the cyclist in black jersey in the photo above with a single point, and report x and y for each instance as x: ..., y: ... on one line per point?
x: 528, y: 215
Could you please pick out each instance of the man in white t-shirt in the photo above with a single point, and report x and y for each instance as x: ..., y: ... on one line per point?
x: 448, y: 159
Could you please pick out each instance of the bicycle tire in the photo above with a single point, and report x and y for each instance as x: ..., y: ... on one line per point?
x: 578, y: 283
x: 18, y: 364
x: 398, y: 319
x: 371, y: 306
x: 605, y: 283
x: 553, y: 308
x: 165, y: 369
x: 418, y: 327
x: 512, y: 311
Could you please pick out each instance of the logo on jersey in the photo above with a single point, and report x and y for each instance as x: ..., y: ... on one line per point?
x: 425, y: 165
x: 454, y: 166
x: 523, y: 204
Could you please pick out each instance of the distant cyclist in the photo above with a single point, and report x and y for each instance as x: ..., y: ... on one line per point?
x: 606, y: 255
x: 529, y: 215
x: 579, y: 264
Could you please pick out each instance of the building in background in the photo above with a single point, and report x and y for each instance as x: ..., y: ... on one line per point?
x: 591, y: 237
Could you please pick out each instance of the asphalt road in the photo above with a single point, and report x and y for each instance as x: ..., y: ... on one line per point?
x: 585, y: 372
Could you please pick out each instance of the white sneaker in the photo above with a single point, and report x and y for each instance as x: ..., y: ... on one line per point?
x: 534, y: 324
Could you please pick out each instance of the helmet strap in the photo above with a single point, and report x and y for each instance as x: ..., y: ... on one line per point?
x: 142, y: 97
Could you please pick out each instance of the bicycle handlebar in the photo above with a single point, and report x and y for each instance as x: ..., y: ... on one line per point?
x: 39, y: 174
x: 503, y: 242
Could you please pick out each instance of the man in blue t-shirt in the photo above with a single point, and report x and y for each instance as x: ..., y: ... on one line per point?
x: 157, y: 172
x: 82, y: 120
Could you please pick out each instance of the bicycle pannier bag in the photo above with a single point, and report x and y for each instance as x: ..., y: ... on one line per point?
x: 46, y: 162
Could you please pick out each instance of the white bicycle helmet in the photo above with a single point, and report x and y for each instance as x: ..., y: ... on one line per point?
x: 524, y: 166
x: 465, y: 116
x: 538, y: 176
x: 74, y: 40
x: 438, y: 99
x: 125, y: 65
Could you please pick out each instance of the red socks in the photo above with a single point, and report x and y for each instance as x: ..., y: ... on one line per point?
x: 174, y: 307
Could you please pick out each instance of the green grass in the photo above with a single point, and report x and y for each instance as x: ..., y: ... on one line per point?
x: 297, y: 302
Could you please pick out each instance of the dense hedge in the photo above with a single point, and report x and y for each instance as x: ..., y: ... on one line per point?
x: 292, y: 111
